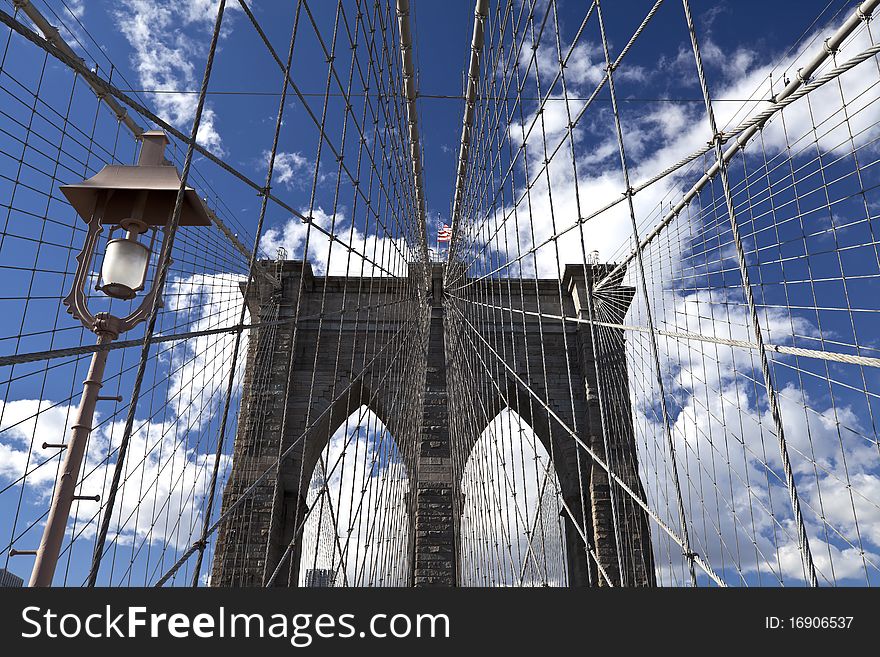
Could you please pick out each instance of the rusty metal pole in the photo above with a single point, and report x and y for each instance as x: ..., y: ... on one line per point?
x: 65, y: 486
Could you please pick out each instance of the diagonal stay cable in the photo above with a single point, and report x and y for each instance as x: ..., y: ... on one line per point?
x: 80, y: 68
x: 34, y: 356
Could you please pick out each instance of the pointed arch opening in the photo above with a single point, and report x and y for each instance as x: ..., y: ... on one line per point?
x: 512, y: 533
x: 357, y: 530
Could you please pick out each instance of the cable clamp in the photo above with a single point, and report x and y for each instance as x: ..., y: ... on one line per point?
x: 264, y: 191
x: 828, y: 48
x: 804, y: 80
x: 53, y: 36
x: 862, y: 15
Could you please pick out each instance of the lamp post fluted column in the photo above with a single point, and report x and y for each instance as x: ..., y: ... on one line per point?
x: 65, y: 486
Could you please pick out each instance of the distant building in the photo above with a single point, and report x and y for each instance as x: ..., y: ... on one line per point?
x: 320, y: 578
x: 10, y: 580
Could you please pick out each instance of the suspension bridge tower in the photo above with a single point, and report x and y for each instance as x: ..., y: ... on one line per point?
x: 302, y: 383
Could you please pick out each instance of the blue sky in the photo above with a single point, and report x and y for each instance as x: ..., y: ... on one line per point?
x: 442, y: 33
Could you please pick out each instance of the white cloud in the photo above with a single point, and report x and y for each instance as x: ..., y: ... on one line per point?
x: 164, y: 478
x: 170, y: 455
x: 201, y: 365
x: 654, y: 139
x: 731, y: 471
x: 27, y: 421
x: 369, y: 254
x: 76, y: 7
x: 291, y: 168
x: 169, y: 40
x: 845, y: 564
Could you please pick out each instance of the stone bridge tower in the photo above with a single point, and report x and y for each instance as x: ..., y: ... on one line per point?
x: 294, y: 415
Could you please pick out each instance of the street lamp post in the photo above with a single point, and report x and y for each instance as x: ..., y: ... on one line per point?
x: 137, y: 200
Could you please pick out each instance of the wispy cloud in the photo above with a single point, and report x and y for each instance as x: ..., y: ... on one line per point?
x: 168, y: 41
x: 292, y: 169
x: 368, y: 256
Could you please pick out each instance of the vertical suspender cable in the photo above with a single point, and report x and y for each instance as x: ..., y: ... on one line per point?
x: 230, y: 384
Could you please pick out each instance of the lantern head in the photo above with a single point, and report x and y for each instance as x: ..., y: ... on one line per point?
x: 136, y: 200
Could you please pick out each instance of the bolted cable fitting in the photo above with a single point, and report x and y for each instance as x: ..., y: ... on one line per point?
x: 54, y: 446
x: 21, y: 553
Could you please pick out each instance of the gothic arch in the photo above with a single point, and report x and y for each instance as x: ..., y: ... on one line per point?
x: 585, y: 493
x: 340, y: 413
x: 350, y: 539
x: 510, y: 491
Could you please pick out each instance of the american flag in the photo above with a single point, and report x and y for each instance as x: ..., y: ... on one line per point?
x: 444, y: 233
